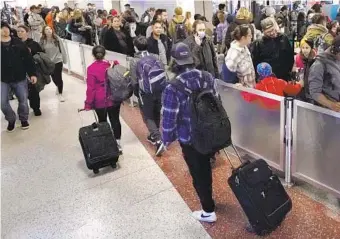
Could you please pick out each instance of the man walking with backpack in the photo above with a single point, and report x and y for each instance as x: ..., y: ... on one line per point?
x: 179, y: 27
x: 149, y: 77
x: 193, y: 114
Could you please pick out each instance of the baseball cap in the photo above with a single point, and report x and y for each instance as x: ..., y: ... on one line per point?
x: 181, y: 53
x: 267, y: 23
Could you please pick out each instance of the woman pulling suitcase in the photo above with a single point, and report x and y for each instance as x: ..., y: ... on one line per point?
x: 98, y: 96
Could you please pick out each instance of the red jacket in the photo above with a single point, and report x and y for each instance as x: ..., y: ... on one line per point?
x: 271, y: 85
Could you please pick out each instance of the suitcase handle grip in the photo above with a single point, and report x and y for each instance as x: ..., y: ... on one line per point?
x: 237, y: 154
x: 94, y: 114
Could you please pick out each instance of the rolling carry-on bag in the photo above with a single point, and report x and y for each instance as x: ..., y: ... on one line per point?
x: 260, y: 193
x: 99, y: 145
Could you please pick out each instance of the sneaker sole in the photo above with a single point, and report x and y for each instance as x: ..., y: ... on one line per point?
x: 11, y: 131
x: 204, y: 219
x: 25, y: 128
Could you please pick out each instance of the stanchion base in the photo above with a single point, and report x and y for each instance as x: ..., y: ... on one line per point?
x: 287, y: 185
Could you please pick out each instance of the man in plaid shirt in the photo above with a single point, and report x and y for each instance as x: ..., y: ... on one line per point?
x: 176, y: 125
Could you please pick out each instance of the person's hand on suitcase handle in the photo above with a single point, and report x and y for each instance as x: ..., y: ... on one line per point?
x: 84, y: 109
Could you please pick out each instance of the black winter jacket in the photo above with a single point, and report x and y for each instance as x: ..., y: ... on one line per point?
x: 16, y: 61
x: 153, y: 46
x: 277, y: 52
x: 33, y: 46
x: 111, y: 42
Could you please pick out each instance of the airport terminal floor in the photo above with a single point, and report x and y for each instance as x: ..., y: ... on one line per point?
x: 47, y: 191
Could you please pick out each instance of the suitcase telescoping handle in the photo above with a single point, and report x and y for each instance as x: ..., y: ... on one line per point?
x: 237, y: 154
x: 81, y: 118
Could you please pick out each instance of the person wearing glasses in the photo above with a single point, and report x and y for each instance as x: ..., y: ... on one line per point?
x: 275, y: 49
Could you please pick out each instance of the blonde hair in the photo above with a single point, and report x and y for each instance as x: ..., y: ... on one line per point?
x: 78, y: 14
x: 188, y: 15
x: 244, y: 14
x: 221, y: 16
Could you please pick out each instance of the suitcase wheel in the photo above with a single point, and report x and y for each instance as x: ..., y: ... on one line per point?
x: 95, y: 171
x: 114, y: 165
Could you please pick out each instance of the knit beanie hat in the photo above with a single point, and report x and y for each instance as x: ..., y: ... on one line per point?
x: 269, y: 11
x: 264, y: 69
x: 178, y: 11
x: 305, y: 41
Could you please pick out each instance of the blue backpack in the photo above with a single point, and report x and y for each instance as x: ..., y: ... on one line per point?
x: 151, y: 75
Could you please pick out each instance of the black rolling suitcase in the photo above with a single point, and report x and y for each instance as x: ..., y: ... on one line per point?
x: 99, y: 145
x: 260, y: 193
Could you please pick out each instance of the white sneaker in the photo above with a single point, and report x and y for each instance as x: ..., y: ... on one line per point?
x: 119, y: 147
x: 204, y: 216
x: 61, y: 98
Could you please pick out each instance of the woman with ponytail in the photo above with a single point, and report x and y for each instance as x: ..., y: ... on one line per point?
x: 98, y: 96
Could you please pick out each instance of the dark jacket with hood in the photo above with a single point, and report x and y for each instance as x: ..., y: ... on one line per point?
x: 324, y: 77
x: 204, y: 55
x: 16, y: 62
x: 40, y: 60
x: 231, y: 28
x: 277, y: 52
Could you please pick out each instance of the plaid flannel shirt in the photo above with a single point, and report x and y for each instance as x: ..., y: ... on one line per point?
x: 175, y: 113
x: 239, y: 60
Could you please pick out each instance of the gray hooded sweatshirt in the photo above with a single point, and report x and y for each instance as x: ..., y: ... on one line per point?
x: 324, y: 77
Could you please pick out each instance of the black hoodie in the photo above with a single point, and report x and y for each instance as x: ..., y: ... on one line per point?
x: 16, y: 62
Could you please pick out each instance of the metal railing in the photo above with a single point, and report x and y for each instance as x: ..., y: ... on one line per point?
x: 297, y: 138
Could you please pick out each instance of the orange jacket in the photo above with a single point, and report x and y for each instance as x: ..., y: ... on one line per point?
x: 49, y: 20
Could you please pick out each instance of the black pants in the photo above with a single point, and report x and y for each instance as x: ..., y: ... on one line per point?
x: 151, y: 106
x: 33, y: 97
x: 57, y: 77
x: 200, y: 170
x: 113, y: 113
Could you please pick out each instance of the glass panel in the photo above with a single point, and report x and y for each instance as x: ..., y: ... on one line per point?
x: 255, y: 128
x: 75, y: 61
x: 318, y: 147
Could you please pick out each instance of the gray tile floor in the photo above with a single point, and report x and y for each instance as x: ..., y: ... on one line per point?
x: 47, y: 191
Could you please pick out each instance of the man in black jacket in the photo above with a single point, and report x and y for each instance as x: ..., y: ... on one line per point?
x: 16, y: 63
x: 275, y: 49
x: 157, y: 43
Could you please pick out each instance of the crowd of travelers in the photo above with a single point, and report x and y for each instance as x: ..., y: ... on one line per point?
x: 288, y: 46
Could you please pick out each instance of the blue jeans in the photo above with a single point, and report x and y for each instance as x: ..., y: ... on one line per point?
x: 21, y: 91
